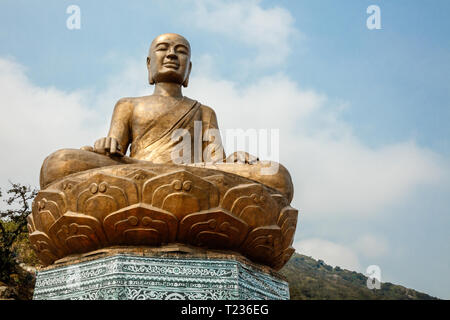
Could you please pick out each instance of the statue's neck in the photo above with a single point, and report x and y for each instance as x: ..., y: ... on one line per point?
x: 168, y: 89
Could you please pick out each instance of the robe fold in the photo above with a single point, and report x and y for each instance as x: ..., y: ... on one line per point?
x: 157, y: 142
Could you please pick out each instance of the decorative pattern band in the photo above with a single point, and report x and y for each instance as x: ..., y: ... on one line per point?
x: 127, y: 277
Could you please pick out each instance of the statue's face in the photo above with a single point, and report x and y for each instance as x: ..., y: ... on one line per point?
x: 169, y: 59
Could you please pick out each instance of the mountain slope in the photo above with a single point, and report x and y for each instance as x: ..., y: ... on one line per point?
x: 311, y: 279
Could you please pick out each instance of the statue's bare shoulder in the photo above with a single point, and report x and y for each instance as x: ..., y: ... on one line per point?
x: 208, y: 115
x: 125, y: 106
x: 207, y: 109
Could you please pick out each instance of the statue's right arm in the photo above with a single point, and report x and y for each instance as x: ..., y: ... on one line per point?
x: 118, y: 139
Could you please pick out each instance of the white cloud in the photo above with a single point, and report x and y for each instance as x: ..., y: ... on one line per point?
x: 270, y: 102
x: 331, y: 253
x: 371, y: 246
x: 130, y: 81
x: 36, y: 121
x: 345, y: 177
x: 269, y: 30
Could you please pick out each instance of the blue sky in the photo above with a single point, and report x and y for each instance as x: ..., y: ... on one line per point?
x: 363, y: 113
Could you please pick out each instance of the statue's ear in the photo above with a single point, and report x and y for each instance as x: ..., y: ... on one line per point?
x: 151, y: 81
x: 186, y: 81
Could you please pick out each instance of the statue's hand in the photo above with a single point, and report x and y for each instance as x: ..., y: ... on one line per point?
x: 108, y: 146
x: 242, y: 157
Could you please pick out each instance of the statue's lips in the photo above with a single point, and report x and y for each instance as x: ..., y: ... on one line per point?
x: 171, y: 65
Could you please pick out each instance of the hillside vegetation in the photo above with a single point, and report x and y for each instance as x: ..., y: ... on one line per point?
x: 311, y: 279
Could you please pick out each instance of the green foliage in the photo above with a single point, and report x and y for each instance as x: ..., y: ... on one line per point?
x: 13, y: 233
x: 311, y: 279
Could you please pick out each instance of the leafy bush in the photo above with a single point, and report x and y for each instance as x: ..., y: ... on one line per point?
x: 13, y: 232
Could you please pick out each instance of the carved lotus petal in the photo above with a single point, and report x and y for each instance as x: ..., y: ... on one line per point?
x: 140, y: 224
x: 47, y: 207
x: 283, y: 258
x: 213, y: 229
x: 180, y: 193
x: 44, y: 247
x: 252, y: 203
x: 77, y: 233
x: 103, y: 194
x: 288, y: 223
x: 263, y: 244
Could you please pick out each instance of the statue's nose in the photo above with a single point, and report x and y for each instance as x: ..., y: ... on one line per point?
x: 171, y: 53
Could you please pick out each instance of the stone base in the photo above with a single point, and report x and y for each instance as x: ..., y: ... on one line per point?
x: 135, y: 276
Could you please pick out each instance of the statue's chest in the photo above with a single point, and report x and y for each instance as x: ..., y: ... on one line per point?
x: 154, y: 117
x: 143, y: 116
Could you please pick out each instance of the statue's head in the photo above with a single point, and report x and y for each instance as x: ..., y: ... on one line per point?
x: 169, y: 59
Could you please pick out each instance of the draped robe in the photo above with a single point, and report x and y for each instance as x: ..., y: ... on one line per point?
x: 158, y: 142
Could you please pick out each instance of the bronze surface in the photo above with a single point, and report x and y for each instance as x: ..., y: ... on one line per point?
x: 97, y: 196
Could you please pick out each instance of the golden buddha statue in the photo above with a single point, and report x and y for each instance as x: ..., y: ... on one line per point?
x: 161, y: 129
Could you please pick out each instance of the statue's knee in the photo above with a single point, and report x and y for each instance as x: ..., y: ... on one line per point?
x: 288, y: 185
x: 68, y: 161
x: 277, y: 176
x: 56, y: 166
x: 54, y: 158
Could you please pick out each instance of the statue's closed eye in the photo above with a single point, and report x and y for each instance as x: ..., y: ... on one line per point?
x: 161, y: 46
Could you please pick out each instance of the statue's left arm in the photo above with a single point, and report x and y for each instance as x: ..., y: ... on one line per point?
x: 119, y: 134
x: 212, y: 146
